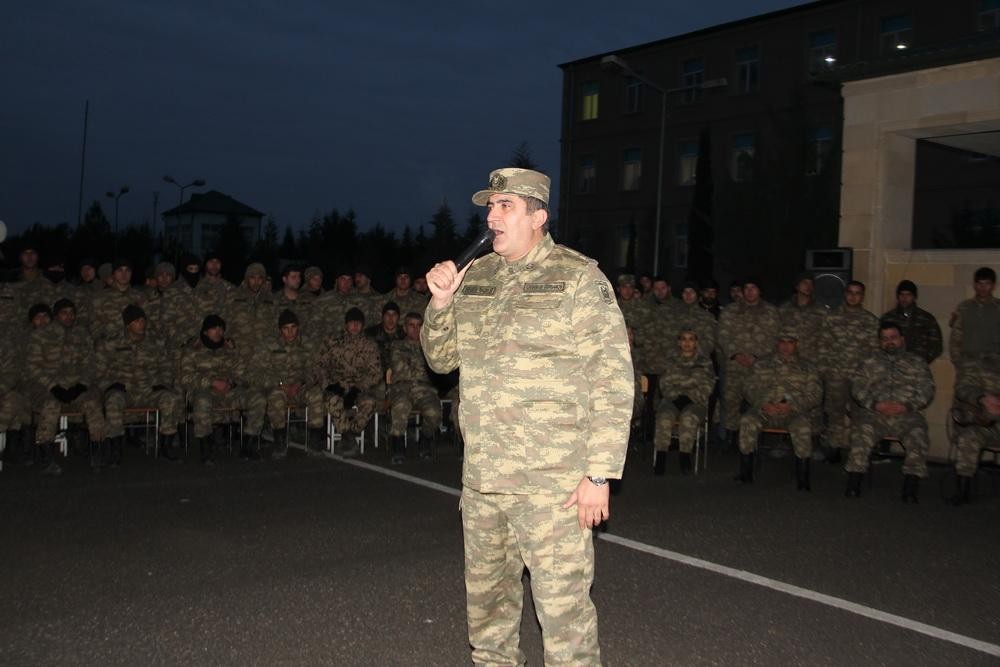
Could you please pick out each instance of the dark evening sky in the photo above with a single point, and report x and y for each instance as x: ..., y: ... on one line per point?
x: 387, y: 107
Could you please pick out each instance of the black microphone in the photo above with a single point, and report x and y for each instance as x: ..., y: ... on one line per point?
x: 474, y: 249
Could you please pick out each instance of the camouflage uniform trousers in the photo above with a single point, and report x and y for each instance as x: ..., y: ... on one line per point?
x: 168, y: 402
x: 690, y: 420
x: 310, y: 398
x: 970, y: 440
x: 837, y: 408
x: 503, y: 534
x: 406, y: 397
x: 732, y: 394
x: 349, y: 419
x: 12, y: 409
x: 208, y: 406
x: 89, y: 403
x: 869, y: 427
x: 799, y: 427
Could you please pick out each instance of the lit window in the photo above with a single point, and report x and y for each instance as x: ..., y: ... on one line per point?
x: 989, y: 15
x: 818, y: 149
x: 687, y: 162
x: 748, y: 70
x: 822, y: 50
x: 588, y: 175
x: 588, y: 105
x: 742, y: 158
x: 633, y: 95
x: 632, y: 169
x: 896, y: 33
x: 681, y: 245
x: 692, y: 76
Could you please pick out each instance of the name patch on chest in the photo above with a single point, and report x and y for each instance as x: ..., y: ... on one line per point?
x: 544, y: 288
x: 479, y: 290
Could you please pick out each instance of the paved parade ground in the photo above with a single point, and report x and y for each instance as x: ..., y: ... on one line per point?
x: 324, y: 561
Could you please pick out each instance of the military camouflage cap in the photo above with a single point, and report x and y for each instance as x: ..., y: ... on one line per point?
x: 523, y: 182
x: 255, y: 269
x: 312, y: 271
x: 626, y: 280
x: 788, y: 334
x: 104, y: 271
x: 165, y: 267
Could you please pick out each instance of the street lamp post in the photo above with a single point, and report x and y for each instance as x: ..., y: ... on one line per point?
x: 121, y: 192
x: 618, y: 64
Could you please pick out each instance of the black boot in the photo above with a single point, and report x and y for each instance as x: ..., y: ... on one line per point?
x: 746, y: 469
x: 115, y: 446
x: 853, y: 489
x: 49, y: 463
x: 963, y: 491
x: 833, y: 456
x: 96, y: 456
x: 802, y: 474
x: 911, y: 485
x: 348, y: 444
x: 280, y: 446
x: 316, y: 440
x: 168, y: 450
x: 206, y: 444
x: 397, y: 449
x: 461, y: 445
x: 424, y: 446
x: 733, y: 440
x: 660, y: 463
x: 685, y: 461
x: 250, y: 448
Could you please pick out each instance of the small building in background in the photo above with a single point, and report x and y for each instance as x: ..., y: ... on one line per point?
x: 197, y: 223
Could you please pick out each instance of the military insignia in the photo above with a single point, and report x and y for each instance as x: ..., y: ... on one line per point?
x: 479, y: 290
x: 605, y: 291
x: 544, y: 288
x: 498, y: 183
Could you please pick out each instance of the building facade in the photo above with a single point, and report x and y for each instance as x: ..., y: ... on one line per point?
x: 196, y: 224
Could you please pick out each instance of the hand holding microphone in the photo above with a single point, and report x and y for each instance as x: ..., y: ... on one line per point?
x: 444, y: 278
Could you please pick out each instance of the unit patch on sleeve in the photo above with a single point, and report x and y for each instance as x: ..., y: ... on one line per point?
x: 605, y: 291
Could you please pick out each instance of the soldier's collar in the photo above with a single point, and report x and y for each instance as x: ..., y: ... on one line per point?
x: 535, y: 255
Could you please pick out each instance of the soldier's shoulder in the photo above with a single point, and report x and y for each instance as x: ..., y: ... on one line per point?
x: 570, y: 257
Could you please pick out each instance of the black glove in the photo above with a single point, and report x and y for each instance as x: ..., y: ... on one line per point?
x: 350, y: 398
x: 159, y: 387
x: 60, y: 393
x: 74, y: 392
x: 117, y: 386
x: 335, y: 388
x: 682, y: 402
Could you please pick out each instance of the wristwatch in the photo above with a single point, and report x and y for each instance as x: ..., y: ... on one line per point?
x: 597, y: 481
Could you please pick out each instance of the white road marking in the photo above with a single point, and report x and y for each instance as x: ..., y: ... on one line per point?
x: 742, y: 575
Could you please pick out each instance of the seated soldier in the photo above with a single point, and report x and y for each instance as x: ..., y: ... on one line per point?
x: 977, y: 416
x: 384, y: 333
x: 14, y: 412
x: 783, y: 392
x: 134, y: 371
x: 211, y: 377
x: 283, y: 370
x: 890, y: 388
x: 685, y: 387
x: 349, y: 369
x: 61, y: 378
x: 410, y: 388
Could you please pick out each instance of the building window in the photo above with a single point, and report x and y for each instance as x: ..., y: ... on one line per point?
x: 989, y: 15
x: 633, y: 95
x: 681, y: 245
x: 748, y: 70
x: 587, y: 180
x: 692, y: 76
x: 632, y: 169
x: 822, y: 50
x: 742, y: 158
x: 589, y: 100
x: 687, y: 162
x: 896, y: 33
x: 818, y: 150
x: 624, y: 246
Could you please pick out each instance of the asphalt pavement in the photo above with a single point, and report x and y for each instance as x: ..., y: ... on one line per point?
x: 323, y: 561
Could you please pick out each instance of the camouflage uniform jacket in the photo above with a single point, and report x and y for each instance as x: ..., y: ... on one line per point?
x: 659, y: 336
x: 976, y: 329
x: 384, y: 341
x: 978, y: 377
x: 638, y: 314
x: 250, y: 317
x: 748, y: 329
x: 373, y: 300
x: 201, y: 366
x: 691, y: 376
x: 920, y: 329
x: 850, y: 336
x: 411, y: 302
x: 351, y: 361
x: 31, y: 290
x: 701, y: 321
x: 408, y: 364
x: 334, y: 306
x: 11, y: 364
x: 279, y: 362
x: 106, y: 318
x: 902, y: 377
x: 791, y: 380
x: 546, y: 384
x: 808, y: 322
x: 139, y: 364
x: 211, y: 296
x: 58, y: 356
x: 13, y: 318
